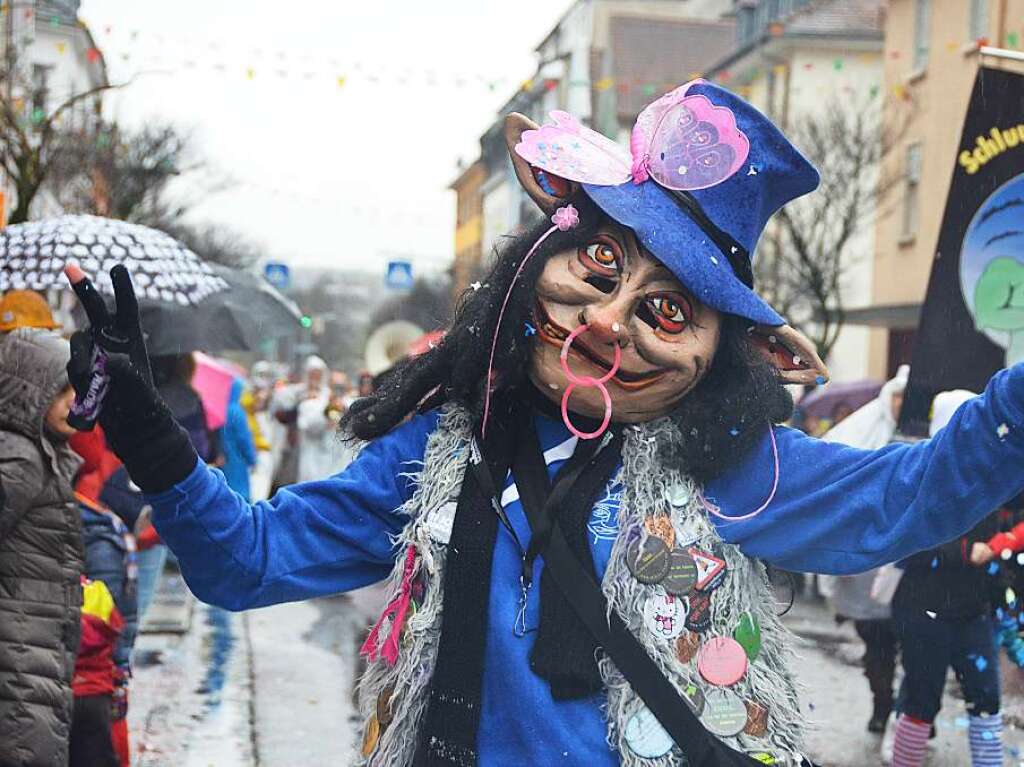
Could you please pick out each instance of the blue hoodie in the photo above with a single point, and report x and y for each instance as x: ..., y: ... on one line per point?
x: 836, y: 510
x: 239, y: 448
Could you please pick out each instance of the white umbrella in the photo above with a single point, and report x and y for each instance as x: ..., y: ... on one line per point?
x: 163, y: 270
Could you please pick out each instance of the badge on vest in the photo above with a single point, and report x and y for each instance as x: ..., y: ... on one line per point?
x: 440, y: 522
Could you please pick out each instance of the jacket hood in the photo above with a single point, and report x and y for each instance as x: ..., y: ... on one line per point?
x: 872, y: 426
x: 32, y: 373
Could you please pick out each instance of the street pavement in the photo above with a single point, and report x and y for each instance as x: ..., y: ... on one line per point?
x: 272, y: 687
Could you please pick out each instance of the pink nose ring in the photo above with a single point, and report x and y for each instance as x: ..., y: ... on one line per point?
x: 575, y: 380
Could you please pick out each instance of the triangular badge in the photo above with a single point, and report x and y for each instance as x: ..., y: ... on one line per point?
x: 709, y: 568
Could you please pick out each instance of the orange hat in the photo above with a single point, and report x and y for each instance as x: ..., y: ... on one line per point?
x: 25, y: 309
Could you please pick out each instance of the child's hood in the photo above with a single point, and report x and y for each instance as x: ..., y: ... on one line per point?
x: 32, y: 373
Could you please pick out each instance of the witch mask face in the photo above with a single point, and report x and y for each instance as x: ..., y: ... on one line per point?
x: 625, y: 297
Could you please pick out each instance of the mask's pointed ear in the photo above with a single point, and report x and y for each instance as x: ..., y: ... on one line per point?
x: 791, y: 352
x: 546, y: 189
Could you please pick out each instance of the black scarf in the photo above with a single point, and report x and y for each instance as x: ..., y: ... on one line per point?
x: 564, y: 652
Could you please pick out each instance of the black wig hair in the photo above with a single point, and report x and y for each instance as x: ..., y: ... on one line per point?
x: 718, y: 419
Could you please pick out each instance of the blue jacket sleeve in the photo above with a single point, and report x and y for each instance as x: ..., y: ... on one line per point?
x: 841, y: 510
x: 310, y: 539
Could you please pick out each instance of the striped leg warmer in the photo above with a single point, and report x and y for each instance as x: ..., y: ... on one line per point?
x: 908, y: 748
x: 986, y: 733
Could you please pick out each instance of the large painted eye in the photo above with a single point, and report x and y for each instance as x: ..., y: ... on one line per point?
x: 602, y: 257
x: 672, y: 311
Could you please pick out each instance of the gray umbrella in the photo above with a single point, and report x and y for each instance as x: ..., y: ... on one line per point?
x: 239, y: 318
x: 33, y: 254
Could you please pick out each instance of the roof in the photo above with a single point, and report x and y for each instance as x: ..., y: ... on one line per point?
x: 831, y: 19
x: 828, y: 17
x: 662, y: 53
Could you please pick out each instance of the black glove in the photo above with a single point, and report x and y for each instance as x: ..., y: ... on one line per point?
x: 109, y: 370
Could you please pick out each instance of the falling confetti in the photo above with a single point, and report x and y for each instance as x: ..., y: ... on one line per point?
x: 475, y: 285
x: 980, y: 663
x: 930, y: 614
x: 1002, y: 430
x: 530, y: 329
x: 993, y: 568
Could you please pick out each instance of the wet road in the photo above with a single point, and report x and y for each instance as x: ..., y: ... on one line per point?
x: 271, y: 688
x: 268, y: 687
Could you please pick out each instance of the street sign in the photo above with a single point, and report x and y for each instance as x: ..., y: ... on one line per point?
x: 277, y: 274
x: 399, y: 275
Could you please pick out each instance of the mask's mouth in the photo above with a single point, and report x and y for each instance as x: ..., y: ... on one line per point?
x: 554, y: 334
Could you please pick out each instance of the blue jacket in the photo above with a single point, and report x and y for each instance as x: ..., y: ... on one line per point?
x: 107, y: 559
x: 238, y: 446
x: 836, y: 510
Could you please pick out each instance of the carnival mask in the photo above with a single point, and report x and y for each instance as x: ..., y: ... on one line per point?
x: 626, y: 298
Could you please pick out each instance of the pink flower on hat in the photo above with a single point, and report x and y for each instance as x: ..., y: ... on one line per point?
x: 566, y: 218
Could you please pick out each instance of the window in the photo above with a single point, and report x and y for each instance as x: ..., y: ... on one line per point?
x: 41, y: 87
x: 911, y: 189
x: 978, y: 23
x: 922, y: 24
x: 745, y: 24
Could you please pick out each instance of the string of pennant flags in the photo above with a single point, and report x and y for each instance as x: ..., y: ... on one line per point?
x: 165, y: 56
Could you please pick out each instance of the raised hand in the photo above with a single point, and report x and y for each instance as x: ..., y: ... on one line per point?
x: 120, y: 334
x: 110, y: 371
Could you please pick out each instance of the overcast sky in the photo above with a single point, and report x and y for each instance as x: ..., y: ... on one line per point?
x: 325, y: 173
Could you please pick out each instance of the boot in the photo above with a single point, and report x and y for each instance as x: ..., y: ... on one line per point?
x: 880, y: 716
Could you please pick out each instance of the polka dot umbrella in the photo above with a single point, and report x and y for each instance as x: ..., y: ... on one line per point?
x: 33, y: 254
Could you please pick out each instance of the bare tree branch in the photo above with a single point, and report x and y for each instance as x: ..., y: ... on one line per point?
x: 808, y: 251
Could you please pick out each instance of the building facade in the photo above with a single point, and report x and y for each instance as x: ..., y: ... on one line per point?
x: 602, y: 62
x: 930, y: 61
x: 796, y: 61
x: 469, y: 217
x: 49, y: 55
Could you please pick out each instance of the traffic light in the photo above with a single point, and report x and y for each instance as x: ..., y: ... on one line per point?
x: 306, y: 321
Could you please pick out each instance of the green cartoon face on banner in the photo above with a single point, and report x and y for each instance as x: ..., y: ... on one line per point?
x: 992, y: 268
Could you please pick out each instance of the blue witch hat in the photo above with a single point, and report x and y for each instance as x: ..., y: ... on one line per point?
x: 704, y: 173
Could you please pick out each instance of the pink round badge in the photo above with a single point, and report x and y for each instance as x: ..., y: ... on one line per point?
x: 722, y: 661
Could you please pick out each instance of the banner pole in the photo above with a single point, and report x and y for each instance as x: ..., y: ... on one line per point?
x: 1001, y: 53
